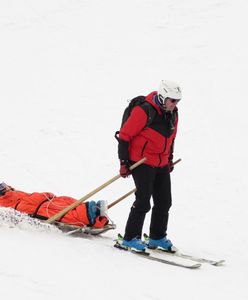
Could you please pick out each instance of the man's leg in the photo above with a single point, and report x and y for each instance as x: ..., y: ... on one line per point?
x: 162, y: 203
x: 143, y: 176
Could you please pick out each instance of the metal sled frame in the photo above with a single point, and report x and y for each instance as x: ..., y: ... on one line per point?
x: 79, y: 231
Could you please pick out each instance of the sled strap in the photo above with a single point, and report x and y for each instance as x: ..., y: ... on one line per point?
x: 35, y: 215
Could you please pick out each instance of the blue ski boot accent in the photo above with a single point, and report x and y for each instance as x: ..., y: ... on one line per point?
x: 91, y: 210
x: 134, y: 244
x: 161, y: 244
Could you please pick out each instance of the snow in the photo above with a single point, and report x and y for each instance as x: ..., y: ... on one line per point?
x: 67, y: 69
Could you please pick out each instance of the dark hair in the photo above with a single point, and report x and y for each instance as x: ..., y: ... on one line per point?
x: 3, y: 187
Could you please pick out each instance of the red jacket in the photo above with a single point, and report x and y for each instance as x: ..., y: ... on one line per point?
x: 154, y: 142
x: 47, y: 205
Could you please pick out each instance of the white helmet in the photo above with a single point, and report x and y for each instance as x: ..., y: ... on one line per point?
x: 169, y: 89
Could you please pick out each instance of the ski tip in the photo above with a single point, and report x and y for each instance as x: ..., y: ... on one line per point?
x: 219, y: 263
x: 195, y: 266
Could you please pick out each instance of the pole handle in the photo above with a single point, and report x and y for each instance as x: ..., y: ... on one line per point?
x: 176, y: 162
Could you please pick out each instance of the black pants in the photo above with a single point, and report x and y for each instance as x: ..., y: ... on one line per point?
x: 149, y: 182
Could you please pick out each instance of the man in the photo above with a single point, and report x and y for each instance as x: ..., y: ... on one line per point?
x: 45, y: 205
x: 154, y: 140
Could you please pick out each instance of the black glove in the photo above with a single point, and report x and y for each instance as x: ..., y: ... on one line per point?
x: 124, y: 168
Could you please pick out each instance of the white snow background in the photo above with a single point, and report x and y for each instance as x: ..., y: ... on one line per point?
x: 67, y: 68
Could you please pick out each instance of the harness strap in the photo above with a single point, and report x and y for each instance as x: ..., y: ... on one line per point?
x: 35, y: 215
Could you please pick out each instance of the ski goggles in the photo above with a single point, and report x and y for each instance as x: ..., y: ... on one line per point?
x: 174, y: 101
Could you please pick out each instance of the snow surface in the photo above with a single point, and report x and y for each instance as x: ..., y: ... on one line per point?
x: 67, y: 68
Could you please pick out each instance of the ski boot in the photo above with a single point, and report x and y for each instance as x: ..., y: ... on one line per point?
x: 91, y: 211
x: 162, y: 244
x: 134, y: 245
x: 102, y: 208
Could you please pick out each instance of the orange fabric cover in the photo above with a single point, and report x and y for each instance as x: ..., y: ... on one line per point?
x: 28, y: 203
x: 100, y: 222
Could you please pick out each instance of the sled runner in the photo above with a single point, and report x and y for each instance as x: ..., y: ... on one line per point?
x: 80, y: 231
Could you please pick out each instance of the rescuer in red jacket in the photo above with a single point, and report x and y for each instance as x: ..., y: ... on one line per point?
x: 153, y: 140
x: 45, y: 205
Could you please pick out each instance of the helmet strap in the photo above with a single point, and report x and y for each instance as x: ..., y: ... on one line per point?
x: 158, y: 101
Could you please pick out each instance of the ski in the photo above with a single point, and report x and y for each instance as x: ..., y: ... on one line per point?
x: 187, y: 256
x: 148, y: 256
x: 78, y: 231
x: 200, y: 260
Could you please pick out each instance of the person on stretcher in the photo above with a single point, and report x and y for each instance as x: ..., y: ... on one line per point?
x: 45, y: 205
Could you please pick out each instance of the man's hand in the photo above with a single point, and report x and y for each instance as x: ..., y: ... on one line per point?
x: 124, y: 168
x: 170, y: 166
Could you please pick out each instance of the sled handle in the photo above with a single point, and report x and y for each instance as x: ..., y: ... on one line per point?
x: 84, y: 198
x: 121, y: 198
x: 176, y: 161
x: 134, y: 190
